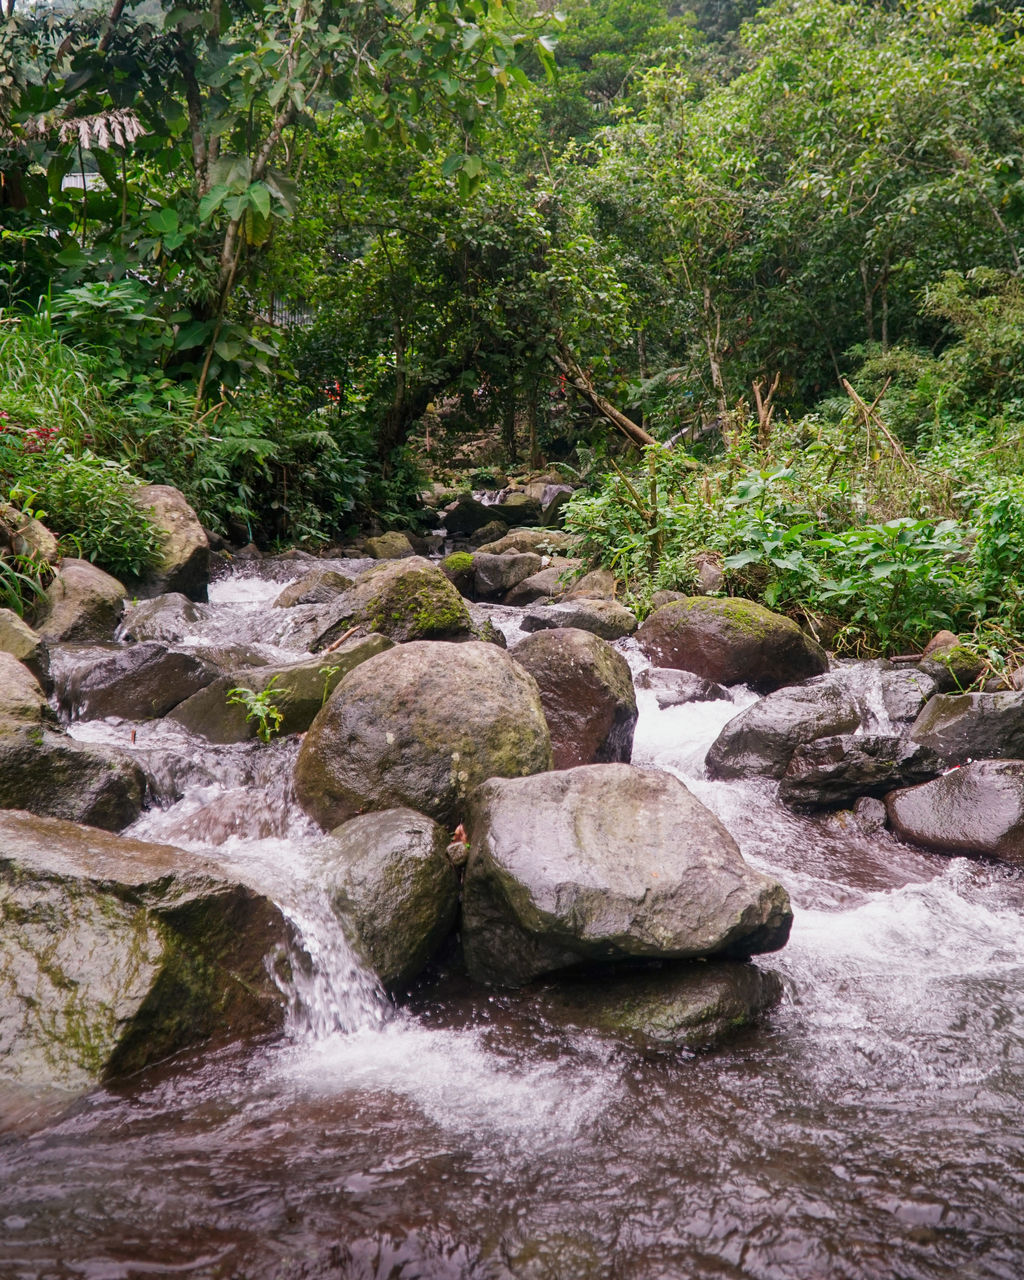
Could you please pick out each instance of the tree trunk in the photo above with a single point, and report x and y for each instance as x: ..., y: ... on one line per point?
x: 579, y: 382
x: 508, y: 429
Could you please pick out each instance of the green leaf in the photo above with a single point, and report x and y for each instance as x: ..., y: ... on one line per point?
x: 259, y: 198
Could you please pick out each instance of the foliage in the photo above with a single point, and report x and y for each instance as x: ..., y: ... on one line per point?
x: 22, y: 582
x: 261, y: 707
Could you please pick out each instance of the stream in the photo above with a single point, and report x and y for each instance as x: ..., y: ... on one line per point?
x: 870, y: 1128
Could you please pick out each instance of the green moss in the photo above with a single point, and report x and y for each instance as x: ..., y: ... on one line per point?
x: 420, y: 606
x: 457, y: 562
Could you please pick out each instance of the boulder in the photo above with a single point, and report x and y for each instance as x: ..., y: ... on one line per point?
x: 605, y: 618
x: 168, y: 618
x: 25, y: 535
x: 458, y: 569
x: 490, y: 532
x: 548, y: 584
x: 299, y: 690
x: 184, y: 561
x: 761, y: 740
x: 19, y: 640
x: 543, y: 541
x: 586, y: 690
x: 832, y: 773
x: 420, y: 726
x: 732, y: 641
x: 601, y: 864
x: 389, y: 880
x: 671, y: 1008
x: 467, y: 516
x: 977, y: 809
x: 677, y: 688
x: 389, y: 546
x: 710, y: 575
x: 136, y: 682
x: 953, y: 666
x: 319, y: 586
x: 518, y: 508
x: 904, y: 693
x: 971, y: 726
x: 494, y: 576
x: 598, y: 584
x: 82, y: 604
x: 662, y: 598
x: 117, y: 954
x: 22, y: 700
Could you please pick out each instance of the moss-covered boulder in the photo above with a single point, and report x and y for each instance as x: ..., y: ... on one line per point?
x: 389, y: 880
x: 676, y: 1007
x: 458, y: 569
x: 603, y: 864
x: 389, y: 546
x: 82, y: 604
x: 732, y: 642
x: 115, y: 953
x: 586, y: 690
x: 954, y: 667
x: 420, y: 727
x: 298, y: 690
x: 319, y: 586
x: 183, y: 563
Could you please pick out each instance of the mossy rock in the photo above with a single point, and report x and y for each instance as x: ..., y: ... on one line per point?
x: 458, y: 569
x: 954, y: 667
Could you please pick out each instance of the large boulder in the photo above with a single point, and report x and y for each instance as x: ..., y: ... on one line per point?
x: 116, y: 953
x: 548, y: 584
x: 606, y: 863
x: 904, y: 693
x: 832, y: 773
x: 45, y: 772
x: 168, y: 618
x: 19, y: 640
x: 136, y: 682
x: 675, y: 1007
x: 420, y: 726
x: 971, y: 726
x: 731, y: 641
x: 82, y: 604
x: 605, y: 618
x: 977, y: 809
x: 389, y: 546
x: 389, y: 880
x: 517, y: 508
x: 184, y: 560
x: 319, y: 586
x: 495, y: 575
x: 954, y: 667
x: 761, y: 740
x: 544, y: 541
x: 298, y: 690
x: 586, y: 690
x: 598, y: 584
x: 467, y: 515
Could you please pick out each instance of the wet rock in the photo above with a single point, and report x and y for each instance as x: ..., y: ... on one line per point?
x: 675, y: 1007
x: 586, y: 690
x: 420, y: 726
x: 606, y: 863
x: 974, y: 726
x: 953, y: 666
x: 389, y: 879
x: 22, y: 700
x: 319, y: 586
x: 731, y: 641
x: 299, y: 689
x: 677, y: 688
x: 389, y: 546
x: 25, y: 645
x: 184, y: 561
x: 760, y: 741
x: 458, y: 569
x: 82, y: 604
x: 231, y: 814
x: 605, y: 618
x: 115, y: 954
x: 978, y: 809
x: 904, y: 693
x: 495, y: 575
x: 832, y: 772
x: 168, y: 618
x: 467, y: 516
x: 25, y: 535
x: 549, y: 584
x: 519, y: 509
x: 490, y: 532
x: 543, y: 541
x: 136, y: 682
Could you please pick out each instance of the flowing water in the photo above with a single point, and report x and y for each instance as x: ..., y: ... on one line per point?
x: 872, y: 1128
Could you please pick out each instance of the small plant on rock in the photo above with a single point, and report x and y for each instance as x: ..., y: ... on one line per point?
x: 261, y: 707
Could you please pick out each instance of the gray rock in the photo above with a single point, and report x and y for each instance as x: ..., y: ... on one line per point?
x: 25, y: 535
x: 969, y: 726
x: 677, y: 688
x: 19, y: 640
x: 710, y: 576
x: 543, y: 541
x: 601, y: 864
x: 675, y: 1007
x: 115, y: 954
x: 662, y: 598
x: 549, y: 584
x: 22, y: 700
x: 390, y: 880
x: 137, y: 682
x: 319, y: 586
x: 731, y: 641
x: 389, y: 546
x: 490, y: 532
x: 598, y: 584
x: 586, y: 690
x: 832, y: 772
x: 605, y: 618
x: 300, y: 690
x: 517, y: 508
x: 468, y: 515
x: 168, y: 618
x: 953, y: 666
x: 904, y: 693
x: 761, y: 740
x: 494, y: 576
x: 978, y: 809
x: 184, y: 561
x: 420, y: 726
x: 82, y: 604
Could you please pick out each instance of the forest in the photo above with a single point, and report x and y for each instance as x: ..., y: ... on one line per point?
x: 748, y: 277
